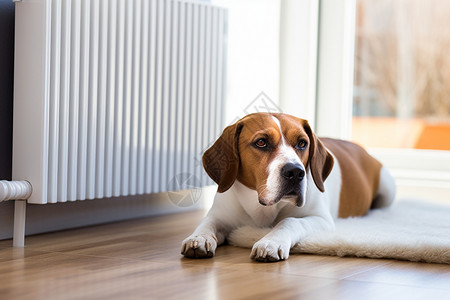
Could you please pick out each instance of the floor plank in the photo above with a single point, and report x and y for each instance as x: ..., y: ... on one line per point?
x: 140, y: 259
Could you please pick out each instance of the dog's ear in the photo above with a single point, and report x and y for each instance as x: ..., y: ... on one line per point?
x: 320, y: 160
x: 221, y: 160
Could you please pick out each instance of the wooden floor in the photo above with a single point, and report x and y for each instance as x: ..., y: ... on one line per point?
x: 140, y: 259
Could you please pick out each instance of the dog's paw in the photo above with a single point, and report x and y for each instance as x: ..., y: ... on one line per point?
x: 199, y: 246
x: 266, y: 250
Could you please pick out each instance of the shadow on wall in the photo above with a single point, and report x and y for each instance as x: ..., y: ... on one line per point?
x: 6, y: 86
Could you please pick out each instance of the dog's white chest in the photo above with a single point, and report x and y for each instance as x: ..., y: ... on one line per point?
x: 260, y: 216
x: 263, y: 216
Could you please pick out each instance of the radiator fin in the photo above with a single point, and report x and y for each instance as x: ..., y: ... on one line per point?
x: 134, y: 95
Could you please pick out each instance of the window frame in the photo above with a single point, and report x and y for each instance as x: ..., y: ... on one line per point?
x: 412, y: 168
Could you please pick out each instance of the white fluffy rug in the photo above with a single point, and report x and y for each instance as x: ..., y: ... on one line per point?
x: 408, y: 230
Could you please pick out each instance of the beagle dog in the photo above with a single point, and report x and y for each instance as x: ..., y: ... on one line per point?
x: 273, y: 171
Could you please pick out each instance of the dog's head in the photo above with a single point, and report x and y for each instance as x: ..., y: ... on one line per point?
x: 270, y: 153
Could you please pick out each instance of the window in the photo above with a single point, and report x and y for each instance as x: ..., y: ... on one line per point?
x: 402, y: 74
x: 384, y: 81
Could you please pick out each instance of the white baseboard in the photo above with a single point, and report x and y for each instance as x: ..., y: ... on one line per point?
x: 60, y: 216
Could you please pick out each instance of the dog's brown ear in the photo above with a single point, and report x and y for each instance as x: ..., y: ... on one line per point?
x: 221, y: 160
x: 320, y: 160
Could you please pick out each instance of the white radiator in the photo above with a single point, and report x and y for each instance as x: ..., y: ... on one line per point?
x: 115, y: 97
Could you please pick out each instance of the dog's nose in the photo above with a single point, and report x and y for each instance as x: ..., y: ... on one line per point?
x: 293, y: 172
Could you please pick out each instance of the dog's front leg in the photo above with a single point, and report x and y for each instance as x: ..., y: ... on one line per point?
x: 222, y: 218
x: 277, y: 243
x: 205, y: 239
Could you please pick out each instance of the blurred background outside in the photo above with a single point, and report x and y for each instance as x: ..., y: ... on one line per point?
x: 402, y: 74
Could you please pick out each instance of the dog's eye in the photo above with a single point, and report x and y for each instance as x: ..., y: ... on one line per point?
x: 261, y: 143
x: 301, y: 145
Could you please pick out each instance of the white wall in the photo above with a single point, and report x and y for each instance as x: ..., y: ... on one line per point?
x: 253, y: 53
x: 272, y: 49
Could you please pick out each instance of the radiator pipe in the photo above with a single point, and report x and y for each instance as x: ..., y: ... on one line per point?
x: 20, y: 191
x: 15, y: 190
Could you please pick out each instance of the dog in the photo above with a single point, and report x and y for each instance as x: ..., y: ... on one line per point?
x: 273, y: 171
